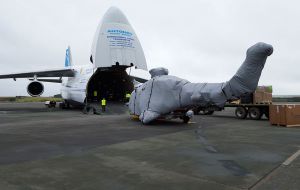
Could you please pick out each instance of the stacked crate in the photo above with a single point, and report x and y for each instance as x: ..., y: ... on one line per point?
x: 263, y: 95
x: 287, y: 115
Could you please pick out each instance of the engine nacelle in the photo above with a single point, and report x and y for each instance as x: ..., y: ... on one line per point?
x: 35, y: 88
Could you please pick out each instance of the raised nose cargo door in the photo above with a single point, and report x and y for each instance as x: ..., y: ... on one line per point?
x: 115, y: 43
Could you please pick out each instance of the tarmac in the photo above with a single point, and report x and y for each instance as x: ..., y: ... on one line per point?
x: 53, y: 149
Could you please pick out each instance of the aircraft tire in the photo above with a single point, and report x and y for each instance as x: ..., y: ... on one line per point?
x: 185, y: 119
x: 61, y: 105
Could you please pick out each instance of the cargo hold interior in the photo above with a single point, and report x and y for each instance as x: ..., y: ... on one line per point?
x: 111, y: 84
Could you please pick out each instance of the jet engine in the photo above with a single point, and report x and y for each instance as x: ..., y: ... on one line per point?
x: 35, y: 88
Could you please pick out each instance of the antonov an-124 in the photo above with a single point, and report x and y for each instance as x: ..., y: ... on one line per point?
x: 115, y: 48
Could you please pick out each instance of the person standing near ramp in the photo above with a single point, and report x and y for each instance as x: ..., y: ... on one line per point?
x: 103, y: 104
x: 127, y: 97
x: 95, y: 95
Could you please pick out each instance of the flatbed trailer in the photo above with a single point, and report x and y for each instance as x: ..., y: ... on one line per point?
x: 253, y: 111
x: 254, y: 105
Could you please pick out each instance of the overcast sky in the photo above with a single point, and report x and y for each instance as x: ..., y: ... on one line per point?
x: 199, y: 40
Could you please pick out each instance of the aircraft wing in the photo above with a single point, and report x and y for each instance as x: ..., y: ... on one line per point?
x: 38, y: 74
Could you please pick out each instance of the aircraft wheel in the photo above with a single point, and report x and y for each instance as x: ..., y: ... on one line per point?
x: 206, y: 112
x: 185, y: 119
x: 255, y: 113
x: 87, y: 109
x: 67, y: 105
x: 61, y: 105
x: 241, y: 112
x: 196, y: 111
x: 64, y: 105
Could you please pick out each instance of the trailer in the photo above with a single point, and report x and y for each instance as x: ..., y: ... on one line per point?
x: 254, y: 105
x: 254, y: 111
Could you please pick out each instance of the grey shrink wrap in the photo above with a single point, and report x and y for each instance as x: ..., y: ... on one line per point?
x: 158, y: 72
x: 163, y: 93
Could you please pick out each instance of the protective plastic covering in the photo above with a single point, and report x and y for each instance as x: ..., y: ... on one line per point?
x: 158, y: 72
x: 164, y: 93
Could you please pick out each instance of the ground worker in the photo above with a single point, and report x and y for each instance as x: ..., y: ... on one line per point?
x: 127, y: 96
x: 103, y: 104
x: 95, y: 95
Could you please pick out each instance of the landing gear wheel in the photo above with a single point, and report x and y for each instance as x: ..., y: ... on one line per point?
x: 64, y: 105
x: 255, y: 113
x: 185, y: 119
x: 86, y: 109
x: 67, y: 105
x: 241, y: 112
x: 52, y: 104
x: 61, y: 105
x: 208, y: 112
x: 196, y: 111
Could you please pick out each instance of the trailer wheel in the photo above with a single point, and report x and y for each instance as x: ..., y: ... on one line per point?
x: 241, y: 112
x: 255, y: 113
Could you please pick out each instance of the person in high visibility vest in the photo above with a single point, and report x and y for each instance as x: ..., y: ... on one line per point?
x: 127, y: 96
x: 103, y: 104
x: 95, y: 96
x: 95, y: 93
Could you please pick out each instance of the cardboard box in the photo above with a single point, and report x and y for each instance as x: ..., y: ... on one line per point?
x: 267, y: 97
x: 287, y: 115
x: 258, y: 97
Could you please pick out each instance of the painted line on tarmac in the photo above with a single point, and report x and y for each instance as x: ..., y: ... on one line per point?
x: 291, y: 158
x: 274, y: 171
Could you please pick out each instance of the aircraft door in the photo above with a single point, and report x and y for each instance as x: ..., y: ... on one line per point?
x: 115, y: 42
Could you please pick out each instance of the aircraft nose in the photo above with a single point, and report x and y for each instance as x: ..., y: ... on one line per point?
x: 114, y: 15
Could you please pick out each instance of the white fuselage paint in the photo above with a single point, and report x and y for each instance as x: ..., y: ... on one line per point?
x: 74, y: 88
x: 115, y: 43
x: 115, y: 47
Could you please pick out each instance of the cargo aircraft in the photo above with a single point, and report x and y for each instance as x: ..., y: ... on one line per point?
x: 115, y: 48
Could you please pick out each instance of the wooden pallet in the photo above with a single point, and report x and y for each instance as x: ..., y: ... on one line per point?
x: 280, y: 125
